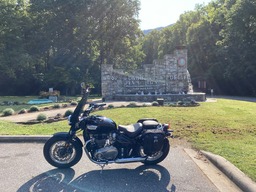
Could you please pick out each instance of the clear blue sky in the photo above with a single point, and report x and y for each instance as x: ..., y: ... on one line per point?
x: 160, y: 13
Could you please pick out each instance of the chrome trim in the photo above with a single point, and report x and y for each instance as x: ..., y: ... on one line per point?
x: 130, y: 160
x: 89, y: 156
x: 123, y: 160
x: 92, y: 127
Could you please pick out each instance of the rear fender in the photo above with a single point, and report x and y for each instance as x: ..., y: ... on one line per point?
x: 67, y: 136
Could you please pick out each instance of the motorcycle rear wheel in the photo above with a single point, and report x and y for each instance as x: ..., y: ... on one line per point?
x: 159, y: 156
x: 61, y: 153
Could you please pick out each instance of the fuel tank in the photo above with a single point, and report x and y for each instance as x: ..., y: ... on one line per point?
x: 100, y: 125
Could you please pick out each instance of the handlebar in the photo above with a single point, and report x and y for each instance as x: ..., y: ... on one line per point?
x: 96, y: 105
x: 93, y: 106
x: 100, y: 105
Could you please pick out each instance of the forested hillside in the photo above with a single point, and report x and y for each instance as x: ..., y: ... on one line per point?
x: 56, y: 43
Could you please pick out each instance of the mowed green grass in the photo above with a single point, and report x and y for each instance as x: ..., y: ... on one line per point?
x: 22, y: 100
x: 225, y: 127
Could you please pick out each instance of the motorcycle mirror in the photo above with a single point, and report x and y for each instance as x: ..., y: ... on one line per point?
x: 83, y: 86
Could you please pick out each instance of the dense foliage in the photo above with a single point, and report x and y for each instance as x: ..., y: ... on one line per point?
x: 221, y: 42
x: 55, y: 43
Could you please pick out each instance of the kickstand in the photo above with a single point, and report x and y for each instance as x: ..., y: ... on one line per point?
x: 102, y: 167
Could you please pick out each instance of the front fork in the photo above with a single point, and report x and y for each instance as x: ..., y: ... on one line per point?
x: 70, y: 137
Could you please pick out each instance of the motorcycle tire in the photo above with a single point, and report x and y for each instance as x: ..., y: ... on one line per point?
x: 160, y: 156
x: 62, y: 154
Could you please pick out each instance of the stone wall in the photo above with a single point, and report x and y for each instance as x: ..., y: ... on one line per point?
x: 166, y: 97
x: 165, y: 76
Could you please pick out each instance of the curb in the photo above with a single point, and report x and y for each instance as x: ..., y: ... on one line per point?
x: 232, y: 172
x: 24, y: 138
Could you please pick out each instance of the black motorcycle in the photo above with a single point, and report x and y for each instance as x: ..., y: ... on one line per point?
x: 145, y: 141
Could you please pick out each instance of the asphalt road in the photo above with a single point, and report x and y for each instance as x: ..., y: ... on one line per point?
x: 23, y: 169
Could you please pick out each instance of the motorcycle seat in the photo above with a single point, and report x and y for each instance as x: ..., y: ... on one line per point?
x: 150, y: 124
x: 132, y: 130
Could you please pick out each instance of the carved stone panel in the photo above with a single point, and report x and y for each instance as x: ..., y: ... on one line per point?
x: 165, y: 76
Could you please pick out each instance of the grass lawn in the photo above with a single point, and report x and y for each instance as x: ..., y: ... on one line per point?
x: 23, y: 102
x: 225, y: 127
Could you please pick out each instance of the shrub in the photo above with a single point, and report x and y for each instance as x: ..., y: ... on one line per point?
x: 33, y: 108
x: 58, y: 116
x: 194, y: 103
x: 180, y: 103
x: 110, y: 106
x: 22, y: 111
x: 172, y: 105
x: 155, y: 103
x: 64, y: 105
x: 56, y: 106
x: 132, y: 105
x: 73, y: 103
x: 16, y: 103
x: 41, y: 117
x: 6, y: 102
x: 8, y: 112
x: 68, y: 112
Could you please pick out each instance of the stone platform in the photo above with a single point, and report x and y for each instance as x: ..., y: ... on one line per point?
x: 167, y: 97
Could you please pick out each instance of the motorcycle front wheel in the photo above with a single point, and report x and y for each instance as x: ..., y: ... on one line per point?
x: 159, y: 156
x: 62, y: 153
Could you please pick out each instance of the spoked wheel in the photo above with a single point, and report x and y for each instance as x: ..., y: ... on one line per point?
x: 61, y: 153
x: 158, y: 156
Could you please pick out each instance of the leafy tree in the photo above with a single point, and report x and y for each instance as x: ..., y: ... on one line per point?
x: 151, y: 45
x: 115, y: 28
x: 239, y: 41
x: 220, y: 38
x: 205, y: 58
x: 15, y: 63
x: 55, y: 43
x: 78, y: 36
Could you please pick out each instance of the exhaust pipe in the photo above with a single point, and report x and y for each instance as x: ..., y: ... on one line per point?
x: 130, y: 160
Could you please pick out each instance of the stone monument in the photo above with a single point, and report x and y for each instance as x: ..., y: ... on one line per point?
x: 167, y: 78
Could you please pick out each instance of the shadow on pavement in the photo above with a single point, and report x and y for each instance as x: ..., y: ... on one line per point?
x: 143, y: 178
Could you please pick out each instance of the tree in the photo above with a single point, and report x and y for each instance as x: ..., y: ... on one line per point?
x: 151, y: 45
x: 239, y: 41
x: 15, y: 63
x: 115, y: 28
x: 79, y: 36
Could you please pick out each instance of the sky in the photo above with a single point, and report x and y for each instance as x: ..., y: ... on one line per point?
x: 161, y: 13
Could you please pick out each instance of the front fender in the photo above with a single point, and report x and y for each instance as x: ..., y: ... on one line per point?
x: 66, y: 135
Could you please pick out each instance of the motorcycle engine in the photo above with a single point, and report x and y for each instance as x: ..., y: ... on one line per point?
x: 106, y: 153
x: 105, y: 150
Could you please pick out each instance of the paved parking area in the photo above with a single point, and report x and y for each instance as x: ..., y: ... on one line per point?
x: 23, y: 169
